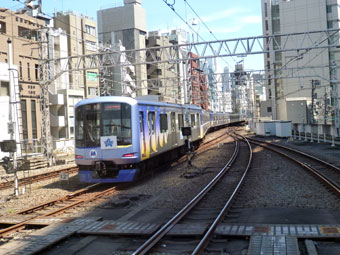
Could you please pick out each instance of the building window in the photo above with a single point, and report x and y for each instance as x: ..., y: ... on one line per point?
x: 24, y: 119
x: 275, y: 11
x: 92, y: 91
x: 329, y: 24
x: 90, y: 30
x: 2, y: 27
x: 27, y: 33
x: 329, y: 9
x: 265, y: 9
x: 34, y: 119
x: 269, y: 109
x: 36, y: 69
x: 20, y: 70
x: 28, y: 71
x: 4, y: 88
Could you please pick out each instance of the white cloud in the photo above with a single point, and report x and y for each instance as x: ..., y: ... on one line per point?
x: 251, y: 19
x: 222, y: 15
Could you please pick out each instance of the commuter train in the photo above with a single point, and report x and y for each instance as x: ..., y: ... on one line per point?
x: 117, y: 138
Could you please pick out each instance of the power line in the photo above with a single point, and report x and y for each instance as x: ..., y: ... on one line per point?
x: 205, y: 25
x: 173, y: 9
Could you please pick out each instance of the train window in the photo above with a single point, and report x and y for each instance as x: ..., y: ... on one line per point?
x: 180, y: 121
x: 192, y: 120
x: 152, y: 126
x: 173, y: 122
x: 197, y: 119
x: 117, y: 122
x: 141, y: 118
x: 163, y: 123
x: 79, y: 137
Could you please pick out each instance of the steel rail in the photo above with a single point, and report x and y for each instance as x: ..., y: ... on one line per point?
x: 204, y: 241
x: 150, y: 243
x: 320, y: 176
x: 300, y: 152
x: 22, y: 224
x: 39, y: 177
x: 205, y: 146
x: 61, y: 199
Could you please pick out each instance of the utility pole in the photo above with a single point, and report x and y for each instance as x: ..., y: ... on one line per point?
x: 315, y: 83
x: 12, y: 124
x: 44, y: 66
x: 334, y: 85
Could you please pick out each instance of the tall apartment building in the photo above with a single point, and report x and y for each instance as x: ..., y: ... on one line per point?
x: 22, y: 30
x: 178, y: 37
x: 310, y: 93
x: 62, y: 96
x: 126, y: 25
x: 198, y: 88
x: 163, y: 78
x: 82, y: 40
x: 226, y: 91
x: 118, y: 80
x: 242, y: 92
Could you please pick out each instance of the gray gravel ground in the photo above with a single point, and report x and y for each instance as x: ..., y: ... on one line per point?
x: 276, y: 182
x: 172, y: 187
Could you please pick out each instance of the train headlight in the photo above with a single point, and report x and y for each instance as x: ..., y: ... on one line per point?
x: 79, y: 157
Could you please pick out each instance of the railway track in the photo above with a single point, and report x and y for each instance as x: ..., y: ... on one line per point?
x: 325, y: 172
x: 39, y: 177
x: 198, y: 211
x: 58, y: 206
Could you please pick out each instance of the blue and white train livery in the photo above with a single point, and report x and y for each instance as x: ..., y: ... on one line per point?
x: 116, y: 137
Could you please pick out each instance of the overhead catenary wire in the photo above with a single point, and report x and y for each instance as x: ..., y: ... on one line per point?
x: 206, y: 26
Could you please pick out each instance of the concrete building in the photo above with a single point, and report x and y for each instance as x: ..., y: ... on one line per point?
x: 163, y: 78
x: 62, y: 95
x: 242, y: 92
x: 22, y: 30
x: 226, y: 105
x: 209, y: 68
x: 5, y: 116
x: 259, y: 93
x: 179, y: 36
x: 312, y: 92
x: 121, y: 79
x: 198, y: 85
x: 82, y: 40
x: 126, y: 24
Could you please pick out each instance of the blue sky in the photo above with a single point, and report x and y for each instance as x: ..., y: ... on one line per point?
x: 226, y: 19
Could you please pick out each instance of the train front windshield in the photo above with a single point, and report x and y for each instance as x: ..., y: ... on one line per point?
x: 103, y: 119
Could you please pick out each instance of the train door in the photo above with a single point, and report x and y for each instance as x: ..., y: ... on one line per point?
x: 180, y: 125
x: 173, y: 134
x: 152, y: 130
x: 142, y: 135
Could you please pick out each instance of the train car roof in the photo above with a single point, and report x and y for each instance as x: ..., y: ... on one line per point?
x: 132, y: 101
